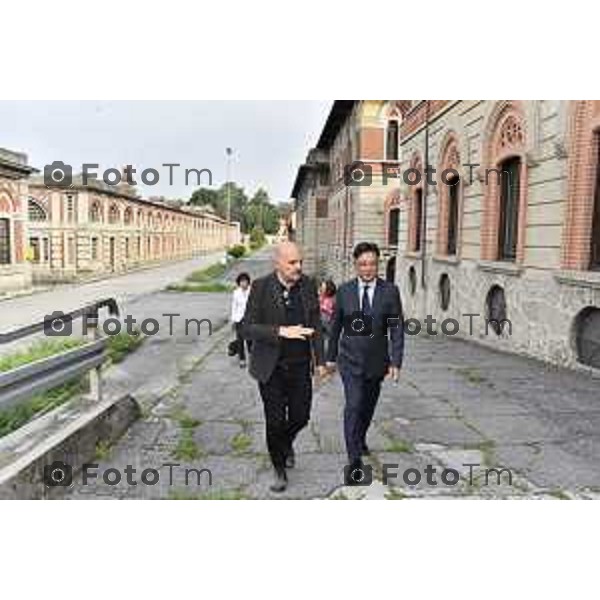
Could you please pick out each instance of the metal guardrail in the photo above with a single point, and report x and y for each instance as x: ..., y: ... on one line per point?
x: 91, y: 312
x: 41, y: 375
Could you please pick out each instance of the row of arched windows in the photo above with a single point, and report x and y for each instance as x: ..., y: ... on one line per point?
x: 504, y: 197
x: 37, y: 213
x: 504, y: 178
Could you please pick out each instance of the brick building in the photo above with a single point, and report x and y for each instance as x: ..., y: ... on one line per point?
x: 508, y: 226
x: 15, y: 271
x: 333, y: 216
x: 96, y: 229
x: 518, y: 235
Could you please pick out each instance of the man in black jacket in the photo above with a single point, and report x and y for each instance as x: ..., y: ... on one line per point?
x: 368, y: 316
x: 283, y: 320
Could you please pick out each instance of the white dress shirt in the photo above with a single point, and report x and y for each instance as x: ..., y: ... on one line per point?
x: 370, y: 291
x: 238, y: 304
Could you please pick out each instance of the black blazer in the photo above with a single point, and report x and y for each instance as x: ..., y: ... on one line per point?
x: 368, y: 355
x: 265, y: 313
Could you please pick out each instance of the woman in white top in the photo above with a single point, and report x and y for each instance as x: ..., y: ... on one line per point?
x: 238, y: 308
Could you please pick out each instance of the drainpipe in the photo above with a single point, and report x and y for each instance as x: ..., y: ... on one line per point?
x: 424, y: 208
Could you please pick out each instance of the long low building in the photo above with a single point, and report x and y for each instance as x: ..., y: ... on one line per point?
x: 15, y: 270
x: 96, y: 229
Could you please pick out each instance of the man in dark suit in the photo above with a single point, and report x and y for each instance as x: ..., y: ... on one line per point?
x: 369, y: 318
x: 283, y: 320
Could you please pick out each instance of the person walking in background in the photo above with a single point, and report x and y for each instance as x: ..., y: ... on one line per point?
x: 282, y: 319
x: 368, y: 316
x: 238, y: 308
x: 327, y: 292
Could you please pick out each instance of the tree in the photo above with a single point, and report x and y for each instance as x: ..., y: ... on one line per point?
x: 259, y: 211
x: 257, y: 237
x: 205, y: 196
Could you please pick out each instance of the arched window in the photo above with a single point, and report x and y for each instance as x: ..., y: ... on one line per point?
x: 505, y: 186
x: 36, y: 211
x: 508, y: 221
x: 95, y: 212
x: 113, y: 214
x: 392, y: 140
x: 128, y: 216
x: 587, y: 336
x: 393, y: 226
x: 449, y: 189
x: 416, y: 204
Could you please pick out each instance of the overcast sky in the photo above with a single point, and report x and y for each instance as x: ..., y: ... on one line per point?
x: 269, y: 138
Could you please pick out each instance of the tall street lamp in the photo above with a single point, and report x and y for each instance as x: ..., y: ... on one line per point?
x: 228, y: 152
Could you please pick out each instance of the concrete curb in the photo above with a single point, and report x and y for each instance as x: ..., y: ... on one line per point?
x: 69, y: 434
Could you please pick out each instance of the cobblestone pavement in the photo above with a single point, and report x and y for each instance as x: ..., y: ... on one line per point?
x: 456, y: 404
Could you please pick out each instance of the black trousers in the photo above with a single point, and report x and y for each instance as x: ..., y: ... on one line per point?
x: 242, y: 343
x: 287, y: 398
x: 362, y: 394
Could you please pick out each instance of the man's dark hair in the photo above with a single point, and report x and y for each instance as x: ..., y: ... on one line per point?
x: 330, y: 288
x: 241, y: 278
x: 365, y: 247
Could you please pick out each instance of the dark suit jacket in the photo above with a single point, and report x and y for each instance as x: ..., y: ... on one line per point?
x: 265, y: 313
x: 368, y: 356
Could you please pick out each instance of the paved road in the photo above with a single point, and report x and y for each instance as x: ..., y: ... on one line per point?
x: 127, y: 289
x: 456, y: 404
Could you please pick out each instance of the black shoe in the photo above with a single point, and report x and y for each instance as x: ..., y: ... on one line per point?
x: 290, y: 459
x: 366, y: 450
x: 349, y: 479
x: 280, y: 482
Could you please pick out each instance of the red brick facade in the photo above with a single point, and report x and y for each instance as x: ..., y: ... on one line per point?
x: 584, y: 124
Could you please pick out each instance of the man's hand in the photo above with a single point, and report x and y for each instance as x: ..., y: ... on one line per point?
x: 295, y: 332
x: 322, y: 371
x: 393, y: 373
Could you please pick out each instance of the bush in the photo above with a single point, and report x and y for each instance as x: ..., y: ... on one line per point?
x: 237, y: 251
x: 257, y: 238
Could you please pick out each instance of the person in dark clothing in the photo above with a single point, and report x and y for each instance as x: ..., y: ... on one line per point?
x: 368, y: 316
x: 282, y: 319
x: 327, y: 292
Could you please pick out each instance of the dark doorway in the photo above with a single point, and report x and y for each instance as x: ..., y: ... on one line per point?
x: 390, y: 270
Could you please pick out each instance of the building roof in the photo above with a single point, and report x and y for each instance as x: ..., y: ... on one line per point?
x: 303, y: 170
x: 15, y: 163
x: 339, y: 112
x: 124, y: 192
